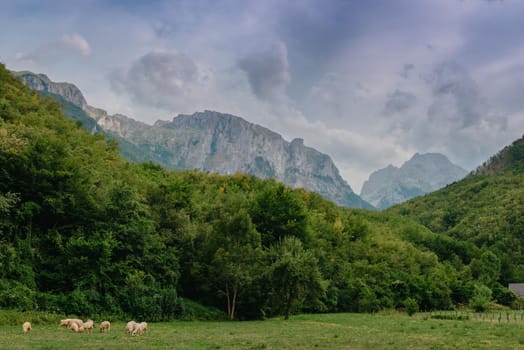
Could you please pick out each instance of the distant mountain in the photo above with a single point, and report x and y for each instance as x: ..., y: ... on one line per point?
x: 422, y: 174
x: 209, y: 141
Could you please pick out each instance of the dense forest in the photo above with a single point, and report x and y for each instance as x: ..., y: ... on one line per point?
x: 84, y: 232
x: 484, y: 213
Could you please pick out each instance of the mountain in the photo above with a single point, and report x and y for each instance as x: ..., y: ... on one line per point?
x: 484, y: 210
x: 422, y: 174
x: 209, y: 141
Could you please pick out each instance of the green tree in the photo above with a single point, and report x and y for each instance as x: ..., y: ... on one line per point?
x: 487, y: 268
x: 237, y: 250
x: 295, y: 276
x: 481, y: 299
x: 278, y: 212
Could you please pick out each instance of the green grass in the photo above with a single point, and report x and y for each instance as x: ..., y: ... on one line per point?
x: 330, y: 331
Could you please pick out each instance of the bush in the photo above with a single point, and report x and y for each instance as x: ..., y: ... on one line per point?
x: 16, y: 295
x: 16, y: 318
x: 411, y: 306
x: 79, y: 302
x: 51, y: 302
x: 481, y: 299
x: 195, y: 311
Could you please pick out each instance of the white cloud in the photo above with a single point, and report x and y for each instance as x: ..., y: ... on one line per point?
x: 55, y: 50
x: 77, y: 42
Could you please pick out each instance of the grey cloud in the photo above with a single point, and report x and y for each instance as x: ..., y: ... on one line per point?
x: 406, y: 70
x: 159, y: 79
x: 457, y: 97
x: 399, y: 101
x: 267, y: 72
x: 163, y: 29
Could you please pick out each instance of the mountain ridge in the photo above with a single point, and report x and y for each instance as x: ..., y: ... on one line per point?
x: 214, y: 142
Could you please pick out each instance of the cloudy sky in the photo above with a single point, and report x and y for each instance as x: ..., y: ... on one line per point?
x: 369, y: 82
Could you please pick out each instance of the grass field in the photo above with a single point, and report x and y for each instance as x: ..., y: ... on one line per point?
x: 330, y: 331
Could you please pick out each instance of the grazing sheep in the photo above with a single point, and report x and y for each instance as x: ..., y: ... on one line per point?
x: 65, y: 323
x: 26, y: 327
x: 89, y: 325
x: 105, y: 326
x: 139, y: 328
x: 74, y: 327
x: 130, y: 327
x: 78, y: 322
x: 69, y: 321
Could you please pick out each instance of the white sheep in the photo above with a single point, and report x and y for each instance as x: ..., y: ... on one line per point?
x: 73, y: 327
x: 69, y: 321
x: 26, y: 327
x: 78, y: 322
x: 89, y: 325
x: 65, y: 323
x: 130, y: 326
x: 105, y: 326
x: 139, y: 328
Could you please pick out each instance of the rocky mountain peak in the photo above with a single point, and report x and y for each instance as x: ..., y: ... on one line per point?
x: 422, y: 174
x: 41, y: 83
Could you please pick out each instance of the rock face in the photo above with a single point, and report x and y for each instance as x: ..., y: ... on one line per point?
x: 422, y: 174
x: 214, y: 142
x: 40, y: 82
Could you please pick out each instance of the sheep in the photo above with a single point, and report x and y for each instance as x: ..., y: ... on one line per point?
x: 26, y: 327
x: 76, y: 327
x: 105, y: 326
x: 130, y: 327
x: 139, y: 328
x: 65, y: 323
x: 69, y: 321
x: 89, y: 325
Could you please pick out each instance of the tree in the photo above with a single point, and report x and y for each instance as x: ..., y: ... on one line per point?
x: 481, y: 299
x: 279, y: 212
x: 487, y: 268
x: 237, y: 249
x: 295, y: 275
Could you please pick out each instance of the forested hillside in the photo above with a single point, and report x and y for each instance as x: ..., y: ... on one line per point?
x: 85, y: 232
x: 485, y: 212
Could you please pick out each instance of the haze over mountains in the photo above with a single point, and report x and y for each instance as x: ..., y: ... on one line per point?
x: 422, y: 174
x: 213, y: 142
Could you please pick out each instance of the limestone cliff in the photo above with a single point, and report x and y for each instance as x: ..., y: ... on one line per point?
x: 214, y: 142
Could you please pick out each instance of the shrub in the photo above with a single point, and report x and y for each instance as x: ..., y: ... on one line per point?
x: 481, y: 299
x: 16, y: 295
x: 411, y: 306
x: 195, y: 311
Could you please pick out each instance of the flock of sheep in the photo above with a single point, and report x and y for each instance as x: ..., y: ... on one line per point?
x: 79, y: 326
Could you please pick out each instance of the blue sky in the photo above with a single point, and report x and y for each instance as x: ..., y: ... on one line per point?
x: 368, y: 82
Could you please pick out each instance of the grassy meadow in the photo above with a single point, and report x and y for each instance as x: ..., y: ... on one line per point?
x: 327, y: 331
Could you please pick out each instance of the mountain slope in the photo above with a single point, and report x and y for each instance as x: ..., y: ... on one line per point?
x: 422, y: 174
x: 510, y: 158
x: 210, y: 141
x: 486, y: 211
